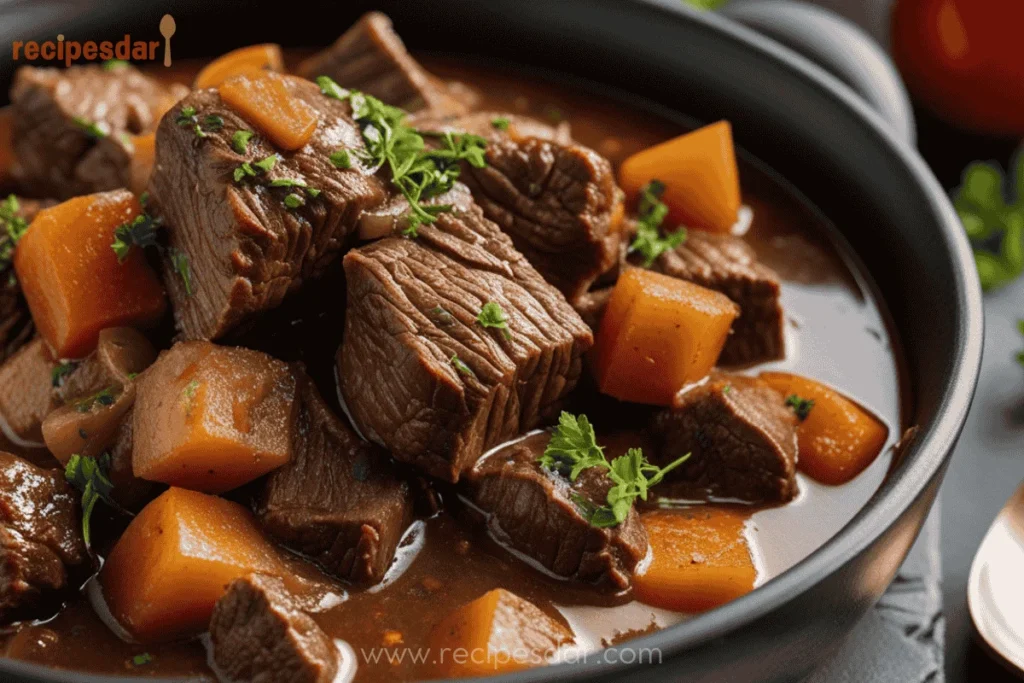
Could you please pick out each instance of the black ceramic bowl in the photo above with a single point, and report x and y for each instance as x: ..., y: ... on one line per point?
x: 785, y: 111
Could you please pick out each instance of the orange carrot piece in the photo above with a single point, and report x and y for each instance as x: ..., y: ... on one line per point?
x: 211, y: 418
x: 245, y: 60
x: 72, y: 280
x: 263, y: 100
x: 176, y: 559
x: 699, y: 559
x: 838, y: 439
x: 143, y: 157
x: 658, y: 334
x: 702, y: 187
x: 498, y: 632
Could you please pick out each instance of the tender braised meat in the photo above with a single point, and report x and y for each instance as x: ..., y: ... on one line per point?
x: 727, y: 264
x: 16, y: 326
x: 69, y: 126
x: 338, y: 500
x: 491, y: 125
x: 245, y: 248
x: 537, y: 513
x: 40, y: 537
x: 260, y: 636
x: 372, y: 58
x: 741, y: 439
x: 591, y: 306
x: 420, y: 374
x: 27, y: 396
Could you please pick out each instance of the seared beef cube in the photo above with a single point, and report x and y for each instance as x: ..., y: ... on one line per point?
x: 482, y: 123
x: 260, y: 636
x: 591, y: 306
x: 245, y: 249
x: 27, y: 396
x: 728, y: 265
x: 741, y: 439
x: 16, y: 326
x: 40, y: 536
x: 538, y: 513
x: 69, y: 126
x: 420, y: 375
x: 338, y: 501
x: 370, y: 57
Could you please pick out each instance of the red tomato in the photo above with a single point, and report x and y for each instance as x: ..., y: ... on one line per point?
x: 964, y: 60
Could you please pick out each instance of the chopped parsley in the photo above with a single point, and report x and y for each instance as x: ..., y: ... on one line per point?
x: 287, y: 182
x: 188, y: 117
x: 114, y: 64
x: 649, y: 242
x: 240, y: 141
x: 181, y: 266
x: 188, y: 395
x: 91, y: 476
x: 500, y: 123
x: 491, y: 315
x: 142, y: 660
x: 213, y: 123
x: 573, y: 448
x: 61, y: 371
x: 103, y: 398
x: 460, y: 366
x: 141, y: 232
x: 12, y: 229
x: 294, y: 201
x: 419, y: 172
x: 801, y: 406
x: 340, y: 159
x: 93, y: 129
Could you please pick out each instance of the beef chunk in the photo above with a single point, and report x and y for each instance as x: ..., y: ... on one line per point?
x: 591, y: 306
x: 69, y: 126
x: 40, y: 535
x: 741, y: 439
x: 372, y: 58
x: 338, y: 500
x: 417, y: 371
x: 246, y: 250
x: 482, y: 123
x: 537, y: 513
x: 259, y: 636
x: 16, y: 326
x: 728, y: 265
x: 27, y: 395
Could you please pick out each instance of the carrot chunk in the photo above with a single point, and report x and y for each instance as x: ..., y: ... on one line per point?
x: 838, y: 439
x: 72, y: 280
x: 263, y: 100
x: 497, y: 632
x: 211, y: 418
x: 658, y: 334
x: 176, y: 559
x: 699, y: 559
x: 245, y: 60
x: 143, y: 157
x: 702, y: 187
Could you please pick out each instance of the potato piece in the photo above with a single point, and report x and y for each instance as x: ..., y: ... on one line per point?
x: 72, y: 280
x: 245, y: 60
x: 26, y: 392
x: 699, y: 559
x: 211, y: 418
x: 176, y: 559
x: 87, y: 428
x: 702, y: 187
x: 263, y: 100
x: 658, y: 335
x: 838, y: 439
x: 497, y: 632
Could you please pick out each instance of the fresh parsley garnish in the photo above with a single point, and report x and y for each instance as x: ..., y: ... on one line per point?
x: 188, y: 117
x: 573, y: 448
x: 213, y: 122
x: 240, y: 140
x: 651, y: 211
x: 114, y: 64
x: 294, y: 201
x: 460, y: 366
x: 12, y: 229
x: 104, y: 398
x: 188, y: 395
x: 994, y: 225
x: 340, y: 159
x: 142, y: 660
x: 61, y: 371
x: 801, y: 406
x: 180, y: 264
x: 141, y: 232
x: 91, y: 476
x: 491, y: 315
x: 500, y: 123
x: 419, y: 172
x: 93, y: 129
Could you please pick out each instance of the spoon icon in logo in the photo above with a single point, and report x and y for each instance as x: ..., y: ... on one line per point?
x: 167, y: 29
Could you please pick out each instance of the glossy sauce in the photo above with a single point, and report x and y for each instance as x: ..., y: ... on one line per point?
x: 836, y: 332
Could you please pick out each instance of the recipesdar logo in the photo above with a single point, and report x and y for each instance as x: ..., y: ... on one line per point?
x: 70, y: 52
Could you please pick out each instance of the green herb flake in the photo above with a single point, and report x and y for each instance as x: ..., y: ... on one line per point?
x: 801, y: 406
x: 287, y: 182
x: 61, y: 371
x: 240, y: 140
x: 460, y: 366
x: 492, y: 315
x: 188, y: 395
x: 341, y: 159
x: 114, y: 64
x: 313, y: 192
x: 331, y: 89
x: 142, y: 660
x: 103, y: 398
x: 90, y: 476
x: 500, y: 123
x: 213, y: 123
x: 294, y: 201
x: 266, y: 163
x: 140, y: 232
x: 12, y: 228
x: 180, y: 264
x: 649, y: 242
x: 93, y: 129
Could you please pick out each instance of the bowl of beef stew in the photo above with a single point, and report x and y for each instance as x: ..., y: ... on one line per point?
x: 424, y: 343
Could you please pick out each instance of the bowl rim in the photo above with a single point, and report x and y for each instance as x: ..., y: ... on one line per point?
x: 925, y: 458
